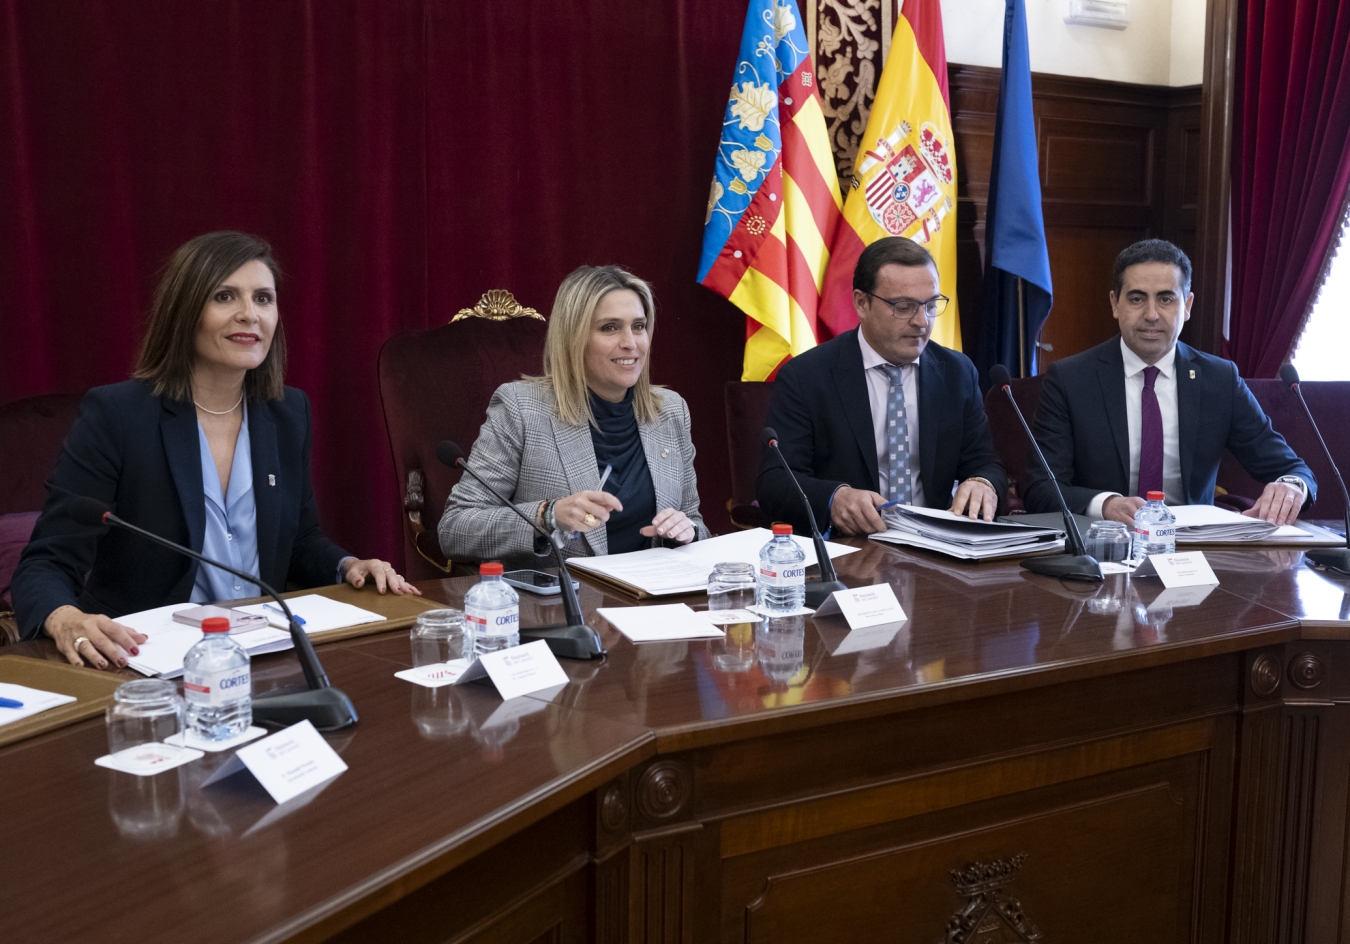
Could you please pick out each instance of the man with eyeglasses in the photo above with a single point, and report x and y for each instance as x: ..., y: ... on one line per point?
x: 1143, y: 412
x: 880, y: 414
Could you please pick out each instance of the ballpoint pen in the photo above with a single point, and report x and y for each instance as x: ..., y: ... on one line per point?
x: 604, y: 477
x: 300, y: 620
x: 10, y: 703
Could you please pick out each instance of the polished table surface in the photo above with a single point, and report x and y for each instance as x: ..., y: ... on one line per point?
x: 438, y: 776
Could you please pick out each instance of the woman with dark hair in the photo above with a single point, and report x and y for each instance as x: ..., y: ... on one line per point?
x: 205, y: 446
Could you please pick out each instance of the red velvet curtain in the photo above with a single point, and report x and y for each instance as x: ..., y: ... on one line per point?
x: 403, y: 156
x: 1291, y: 169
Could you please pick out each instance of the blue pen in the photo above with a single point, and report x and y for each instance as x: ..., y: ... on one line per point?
x: 10, y: 703
x: 889, y: 505
x: 282, y: 613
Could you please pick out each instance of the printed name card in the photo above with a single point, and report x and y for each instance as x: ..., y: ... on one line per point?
x: 287, y: 764
x: 519, y: 670
x: 1179, y: 570
x: 865, y: 606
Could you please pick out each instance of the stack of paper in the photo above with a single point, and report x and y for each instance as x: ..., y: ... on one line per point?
x: 665, y: 571
x: 957, y: 536
x: 1208, y: 524
x: 162, y: 654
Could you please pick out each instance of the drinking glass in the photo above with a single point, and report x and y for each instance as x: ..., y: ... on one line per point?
x: 1108, y: 541
x: 731, y: 586
x: 146, y: 711
x: 441, y: 636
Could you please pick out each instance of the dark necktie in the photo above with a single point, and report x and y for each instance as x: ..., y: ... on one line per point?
x: 1150, y: 437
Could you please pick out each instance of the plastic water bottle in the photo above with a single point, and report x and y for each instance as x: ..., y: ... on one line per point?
x: 492, y: 608
x: 217, y: 684
x: 781, y: 587
x: 1155, y: 528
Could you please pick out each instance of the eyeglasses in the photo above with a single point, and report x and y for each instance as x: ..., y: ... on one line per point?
x: 906, y: 308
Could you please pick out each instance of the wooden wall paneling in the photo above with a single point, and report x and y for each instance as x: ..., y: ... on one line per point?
x: 1118, y: 163
x: 482, y: 902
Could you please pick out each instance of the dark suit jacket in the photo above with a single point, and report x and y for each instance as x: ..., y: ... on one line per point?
x: 1081, y: 427
x: 823, y: 418
x: 140, y: 454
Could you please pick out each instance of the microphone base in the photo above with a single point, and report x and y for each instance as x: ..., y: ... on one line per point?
x: 1065, y: 566
x: 566, y: 642
x: 818, y: 591
x: 328, y: 709
x: 1332, y: 558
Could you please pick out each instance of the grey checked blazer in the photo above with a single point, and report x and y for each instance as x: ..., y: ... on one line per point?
x: 530, y: 455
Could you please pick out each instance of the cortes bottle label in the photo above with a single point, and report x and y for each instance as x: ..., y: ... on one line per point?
x: 218, y: 688
x: 500, y: 622
x: 782, y: 575
x: 1155, y: 533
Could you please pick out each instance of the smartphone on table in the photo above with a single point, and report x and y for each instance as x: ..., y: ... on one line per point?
x: 536, y: 581
x: 240, y: 622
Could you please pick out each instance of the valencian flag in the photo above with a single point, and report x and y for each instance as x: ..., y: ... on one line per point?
x: 904, y: 179
x: 775, y: 199
x: 1017, y: 290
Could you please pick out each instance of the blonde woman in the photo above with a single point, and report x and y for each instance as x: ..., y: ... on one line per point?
x: 548, y: 439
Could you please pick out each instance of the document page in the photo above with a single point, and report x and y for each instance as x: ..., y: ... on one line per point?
x: 23, y: 701
x: 162, y: 654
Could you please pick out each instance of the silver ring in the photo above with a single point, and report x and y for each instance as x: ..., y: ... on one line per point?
x: 78, y: 640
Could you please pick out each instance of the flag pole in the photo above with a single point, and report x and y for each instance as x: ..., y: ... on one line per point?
x: 1021, y: 329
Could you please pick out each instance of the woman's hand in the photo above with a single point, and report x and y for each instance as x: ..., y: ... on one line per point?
x: 569, y: 514
x: 382, y: 572
x: 80, y: 635
x: 673, y: 524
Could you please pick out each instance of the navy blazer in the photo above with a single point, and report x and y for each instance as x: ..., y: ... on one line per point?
x: 1082, y: 429
x: 140, y: 454
x: 823, y: 417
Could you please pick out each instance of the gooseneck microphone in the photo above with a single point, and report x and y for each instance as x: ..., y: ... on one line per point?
x: 327, y: 708
x: 1337, y: 558
x: 572, y: 640
x: 1074, y: 564
x: 818, y: 589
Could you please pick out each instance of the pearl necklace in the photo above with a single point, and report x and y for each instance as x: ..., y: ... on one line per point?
x: 222, y: 412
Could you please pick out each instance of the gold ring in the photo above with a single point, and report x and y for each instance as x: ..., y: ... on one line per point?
x: 79, y: 640
x: 590, y: 520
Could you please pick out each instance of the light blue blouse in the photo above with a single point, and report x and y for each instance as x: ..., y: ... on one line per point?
x: 231, y: 524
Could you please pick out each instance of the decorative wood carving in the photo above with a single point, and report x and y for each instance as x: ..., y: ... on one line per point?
x: 662, y: 790
x: 1266, y: 674
x: 497, y: 305
x: 613, y: 808
x: 989, y: 915
x: 1306, y: 670
x: 414, y: 498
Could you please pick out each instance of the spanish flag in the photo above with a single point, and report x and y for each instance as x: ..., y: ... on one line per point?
x: 904, y: 181
x: 775, y: 201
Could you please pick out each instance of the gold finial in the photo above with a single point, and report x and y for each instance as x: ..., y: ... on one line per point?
x: 497, y: 305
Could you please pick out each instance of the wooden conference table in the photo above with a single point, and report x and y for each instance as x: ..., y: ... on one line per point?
x: 1022, y: 758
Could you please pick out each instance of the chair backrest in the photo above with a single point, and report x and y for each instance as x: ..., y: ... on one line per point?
x: 436, y: 385
x: 31, y: 433
x: 1010, y: 441
x: 747, y: 404
x: 1329, y: 402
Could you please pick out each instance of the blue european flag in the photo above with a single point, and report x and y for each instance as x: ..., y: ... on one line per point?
x: 1014, y: 225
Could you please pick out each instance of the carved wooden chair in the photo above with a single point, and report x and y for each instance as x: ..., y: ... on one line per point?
x: 747, y: 404
x: 436, y: 385
x: 31, y: 433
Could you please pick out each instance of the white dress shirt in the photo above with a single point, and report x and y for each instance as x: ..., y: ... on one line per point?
x: 878, y: 392
x: 1165, y: 388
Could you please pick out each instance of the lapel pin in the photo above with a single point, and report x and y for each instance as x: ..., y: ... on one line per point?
x: 664, y: 453
x: 1192, y: 375
x: 272, y: 479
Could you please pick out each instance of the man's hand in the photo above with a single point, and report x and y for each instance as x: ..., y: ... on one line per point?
x: 1122, y: 508
x: 854, y: 511
x: 974, y: 500
x: 92, y: 636
x: 1279, y: 503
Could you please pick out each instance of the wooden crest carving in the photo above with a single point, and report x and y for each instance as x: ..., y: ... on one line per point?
x: 662, y: 790
x: 1306, y: 671
x: 1266, y: 674
x: 497, y: 305
x: 989, y: 915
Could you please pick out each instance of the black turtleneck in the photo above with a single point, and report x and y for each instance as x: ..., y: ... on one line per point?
x: 618, y: 444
